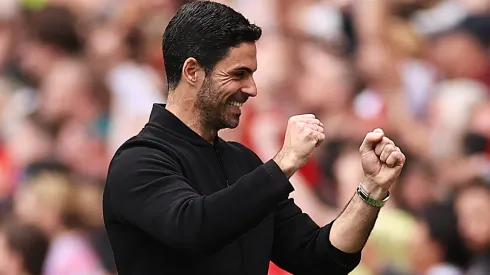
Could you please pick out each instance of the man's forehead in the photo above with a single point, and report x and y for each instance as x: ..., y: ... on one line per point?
x: 243, y: 57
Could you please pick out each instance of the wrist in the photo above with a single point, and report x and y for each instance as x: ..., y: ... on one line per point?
x: 285, y: 163
x: 374, y: 190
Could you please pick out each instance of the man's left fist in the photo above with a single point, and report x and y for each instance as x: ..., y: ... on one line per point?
x: 382, y: 161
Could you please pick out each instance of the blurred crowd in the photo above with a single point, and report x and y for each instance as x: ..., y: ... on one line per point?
x: 79, y: 77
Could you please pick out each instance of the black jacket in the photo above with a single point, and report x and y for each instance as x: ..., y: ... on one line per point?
x: 176, y: 204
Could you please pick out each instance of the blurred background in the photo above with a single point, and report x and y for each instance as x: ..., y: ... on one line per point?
x: 79, y: 77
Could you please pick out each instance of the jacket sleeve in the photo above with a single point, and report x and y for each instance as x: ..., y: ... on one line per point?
x: 147, y: 189
x: 302, y: 247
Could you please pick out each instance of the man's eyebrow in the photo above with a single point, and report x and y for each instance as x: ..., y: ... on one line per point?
x: 243, y: 68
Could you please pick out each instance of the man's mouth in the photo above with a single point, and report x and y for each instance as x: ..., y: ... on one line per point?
x: 235, y: 103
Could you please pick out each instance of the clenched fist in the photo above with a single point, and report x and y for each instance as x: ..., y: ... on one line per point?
x: 303, y: 134
x: 382, y: 161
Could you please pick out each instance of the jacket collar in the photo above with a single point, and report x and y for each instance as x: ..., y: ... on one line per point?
x: 161, y: 118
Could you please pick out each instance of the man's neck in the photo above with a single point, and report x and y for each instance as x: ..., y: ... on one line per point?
x: 185, y: 111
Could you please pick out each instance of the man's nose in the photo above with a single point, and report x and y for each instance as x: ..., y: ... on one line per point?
x: 251, y: 88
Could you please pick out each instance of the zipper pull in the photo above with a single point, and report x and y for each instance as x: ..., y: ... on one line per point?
x: 222, y: 166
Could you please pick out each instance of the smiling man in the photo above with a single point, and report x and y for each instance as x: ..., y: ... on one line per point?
x: 180, y: 200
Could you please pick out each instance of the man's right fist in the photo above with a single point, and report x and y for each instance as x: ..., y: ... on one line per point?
x: 303, y: 134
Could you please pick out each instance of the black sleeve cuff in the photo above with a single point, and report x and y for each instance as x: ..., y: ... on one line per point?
x: 347, y: 260
x: 278, y: 176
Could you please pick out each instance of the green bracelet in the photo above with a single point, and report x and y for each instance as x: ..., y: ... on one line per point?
x: 366, y: 198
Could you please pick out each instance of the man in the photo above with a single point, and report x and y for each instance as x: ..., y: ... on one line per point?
x: 472, y: 202
x: 180, y: 200
x: 23, y: 248
x: 436, y: 246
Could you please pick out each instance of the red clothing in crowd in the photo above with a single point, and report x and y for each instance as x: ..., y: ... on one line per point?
x: 310, y: 172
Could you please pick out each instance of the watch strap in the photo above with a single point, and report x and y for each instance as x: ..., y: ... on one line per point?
x: 364, y: 195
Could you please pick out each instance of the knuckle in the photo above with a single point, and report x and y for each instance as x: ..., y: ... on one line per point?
x: 387, y: 142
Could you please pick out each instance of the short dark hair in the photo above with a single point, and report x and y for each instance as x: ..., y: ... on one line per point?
x: 55, y: 26
x: 206, y: 31
x: 28, y: 241
x: 442, y: 223
x: 481, y: 185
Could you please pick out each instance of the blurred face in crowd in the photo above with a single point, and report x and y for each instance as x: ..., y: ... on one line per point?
x: 326, y: 83
x: 62, y: 91
x: 275, y: 52
x: 424, y: 251
x: 35, y: 57
x: 348, y: 172
x: 472, y: 207
x: 227, y: 88
x: 31, y: 143
x: 461, y: 49
x: 28, y: 208
x: 81, y: 150
x: 23, y: 248
x: 42, y: 201
x: 417, y: 188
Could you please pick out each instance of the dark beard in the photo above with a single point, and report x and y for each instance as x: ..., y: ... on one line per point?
x: 209, y: 107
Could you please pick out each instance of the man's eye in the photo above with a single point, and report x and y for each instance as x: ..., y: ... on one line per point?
x: 240, y: 74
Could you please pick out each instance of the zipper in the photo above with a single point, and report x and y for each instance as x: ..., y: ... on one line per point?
x: 240, y: 241
x: 222, y: 166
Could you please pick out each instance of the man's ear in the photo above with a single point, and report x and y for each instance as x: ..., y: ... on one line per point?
x: 192, y: 72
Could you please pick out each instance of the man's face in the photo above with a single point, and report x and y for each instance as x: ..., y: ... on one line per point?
x: 423, y: 250
x: 227, y: 87
x: 462, y: 49
x: 474, y: 222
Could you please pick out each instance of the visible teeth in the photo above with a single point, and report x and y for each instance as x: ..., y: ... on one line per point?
x: 235, y: 103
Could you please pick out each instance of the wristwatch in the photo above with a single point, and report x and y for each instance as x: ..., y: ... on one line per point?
x: 367, y: 199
